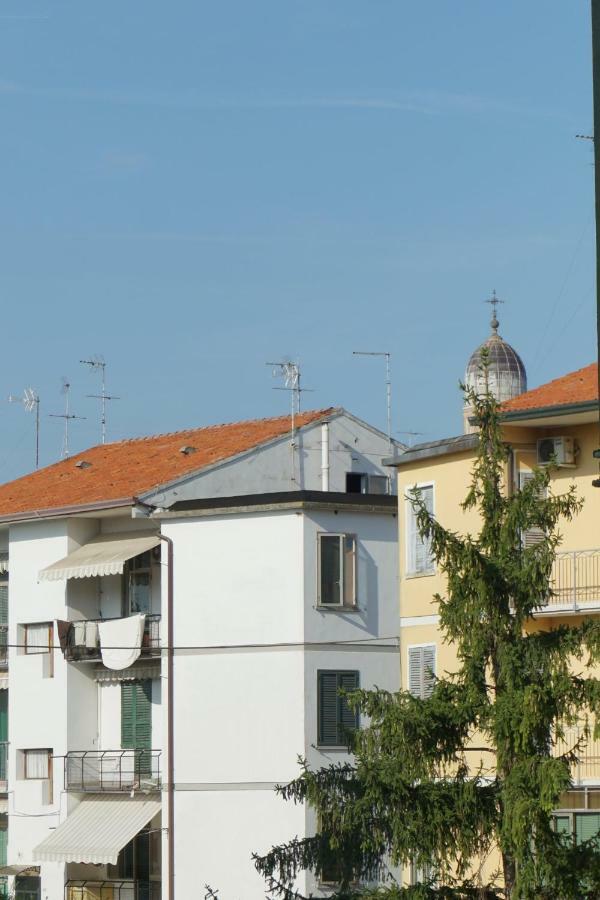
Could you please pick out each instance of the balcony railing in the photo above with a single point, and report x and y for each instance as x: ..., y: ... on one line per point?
x: 125, y: 889
x: 575, y: 580
x: 586, y: 750
x: 83, y: 642
x: 112, y: 771
x: 3, y: 647
x: 3, y: 765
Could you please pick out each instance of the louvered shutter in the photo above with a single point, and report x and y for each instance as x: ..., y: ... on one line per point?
x: 3, y: 603
x: 3, y: 717
x: 530, y: 536
x: 3, y: 845
x: 347, y: 717
x: 419, y: 550
x: 421, y: 671
x: 128, y: 715
x: 327, y: 724
x: 587, y: 826
x: 136, y: 715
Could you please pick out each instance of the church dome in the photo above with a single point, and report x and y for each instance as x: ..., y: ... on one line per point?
x: 507, y: 377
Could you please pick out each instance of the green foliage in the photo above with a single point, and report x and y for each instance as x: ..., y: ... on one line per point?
x: 414, y: 793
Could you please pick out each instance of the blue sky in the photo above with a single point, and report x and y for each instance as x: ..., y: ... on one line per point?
x: 192, y: 189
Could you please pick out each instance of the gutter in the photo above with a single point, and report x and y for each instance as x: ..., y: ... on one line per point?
x: 33, y: 515
x: 170, y: 728
x: 544, y: 412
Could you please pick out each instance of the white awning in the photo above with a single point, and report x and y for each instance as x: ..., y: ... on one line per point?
x: 105, y: 555
x: 97, y: 829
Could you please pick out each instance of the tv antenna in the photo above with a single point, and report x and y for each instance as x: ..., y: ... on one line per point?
x: 290, y: 372
x: 31, y: 402
x: 67, y: 415
x: 98, y: 365
x: 388, y: 386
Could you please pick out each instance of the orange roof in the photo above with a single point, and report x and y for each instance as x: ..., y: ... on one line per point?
x: 576, y: 387
x: 126, y: 469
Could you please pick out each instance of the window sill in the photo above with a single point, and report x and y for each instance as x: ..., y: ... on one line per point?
x: 331, y: 607
x: 336, y: 748
x: 427, y: 574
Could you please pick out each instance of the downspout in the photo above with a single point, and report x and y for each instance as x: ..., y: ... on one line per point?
x: 170, y: 740
x: 325, y: 456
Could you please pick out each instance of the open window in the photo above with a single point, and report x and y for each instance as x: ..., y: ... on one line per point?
x: 336, y: 570
x: 361, y: 483
x: 138, y: 585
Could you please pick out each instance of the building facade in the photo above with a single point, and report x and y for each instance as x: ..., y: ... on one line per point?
x: 558, y: 420
x: 183, y: 611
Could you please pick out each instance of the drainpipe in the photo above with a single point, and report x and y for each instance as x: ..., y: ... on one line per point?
x: 325, y: 456
x: 170, y: 740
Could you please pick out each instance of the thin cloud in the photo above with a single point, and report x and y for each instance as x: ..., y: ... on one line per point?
x: 423, y: 102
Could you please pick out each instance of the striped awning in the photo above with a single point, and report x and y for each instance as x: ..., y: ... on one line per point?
x: 104, y: 555
x: 97, y: 830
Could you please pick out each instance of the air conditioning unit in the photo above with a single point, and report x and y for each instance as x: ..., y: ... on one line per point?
x: 559, y: 450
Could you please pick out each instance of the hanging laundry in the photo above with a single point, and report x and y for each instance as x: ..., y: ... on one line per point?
x: 121, y: 641
x: 91, y: 635
x: 79, y: 634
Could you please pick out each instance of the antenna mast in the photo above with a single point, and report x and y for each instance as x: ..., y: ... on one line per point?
x: 97, y: 364
x: 31, y: 401
x: 388, y: 385
x: 67, y: 415
x: 290, y: 372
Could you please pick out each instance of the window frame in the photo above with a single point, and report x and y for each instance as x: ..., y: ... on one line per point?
x: 130, y: 570
x: 48, y: 752
x: 343, y: 537
x: 339, y: 701
x: 426, y: 645
x: 409, y: 570
x: 36, y: 650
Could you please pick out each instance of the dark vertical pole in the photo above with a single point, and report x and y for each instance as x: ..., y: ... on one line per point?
x: 170, y: 726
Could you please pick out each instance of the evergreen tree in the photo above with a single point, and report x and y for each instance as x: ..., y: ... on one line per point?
x: 415, y: 792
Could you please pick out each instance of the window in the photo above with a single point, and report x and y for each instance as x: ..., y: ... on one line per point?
x: 136, y: 722
x: 418, y: 550
x: 38, y: 638
x: 335, y: 718
x: 421, y: 670
x: 579, y: 827
x: 530, y: 536
x: 360, y: 483
x: 38, y: 763
x: 421, y: 874
x: 337, y: 570
x: 138, y: 584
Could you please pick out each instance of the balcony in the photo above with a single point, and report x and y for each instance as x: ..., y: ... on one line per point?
x: 116, y: 889
x: 112, y: 771
x: 82, y: 641
x: 575, y: 583
x: 586, y: 767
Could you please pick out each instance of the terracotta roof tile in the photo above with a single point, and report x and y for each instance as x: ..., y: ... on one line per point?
x: 126, y: 469
x: 576, y: 387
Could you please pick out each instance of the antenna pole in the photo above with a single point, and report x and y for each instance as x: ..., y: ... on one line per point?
x: 290, y: 371
x: 388, y: 386
x: 99, y: 365
x: 37, y: 432
x: 31, y: 399
x: 66, y: 416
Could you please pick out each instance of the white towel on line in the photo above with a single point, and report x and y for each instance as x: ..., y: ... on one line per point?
x: 121, y: 641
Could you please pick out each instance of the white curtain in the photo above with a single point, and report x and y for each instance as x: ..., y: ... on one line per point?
x: 38, y: 638
x: 36, y: 764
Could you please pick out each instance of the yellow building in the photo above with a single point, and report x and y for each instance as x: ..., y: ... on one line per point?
x: 558, y: 419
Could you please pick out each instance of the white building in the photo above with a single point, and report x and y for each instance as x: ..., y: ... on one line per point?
x: 282, y: 586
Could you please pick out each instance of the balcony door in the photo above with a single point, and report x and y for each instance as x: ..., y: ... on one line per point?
x: 136, y: 722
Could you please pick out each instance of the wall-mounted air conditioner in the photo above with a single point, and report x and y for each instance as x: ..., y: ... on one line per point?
x: 559, y: 450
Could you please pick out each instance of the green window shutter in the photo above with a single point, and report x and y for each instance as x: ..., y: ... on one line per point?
x: 4, y: 603
x: 587, y: 826
x: 347, y: 717
x: 136, y: 715
x: 3, y: 845
x: 335, y: 718
x: 3, y: 716
x: 327, y: 699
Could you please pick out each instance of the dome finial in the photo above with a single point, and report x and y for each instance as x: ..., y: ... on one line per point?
x: 494, y: 301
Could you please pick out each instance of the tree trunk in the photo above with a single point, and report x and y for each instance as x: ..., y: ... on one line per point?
x: 510, y: 872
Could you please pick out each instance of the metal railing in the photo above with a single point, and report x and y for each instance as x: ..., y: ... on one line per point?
x: 575, y: 579
x: 83, y: 642
x: 3, y: 647
x: 3, y: 763
x: 585, y: 749
x: 113, y: 889
x: 112, y: 771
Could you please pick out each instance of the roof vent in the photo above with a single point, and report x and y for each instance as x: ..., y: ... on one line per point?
x: 83, y: 464
x: 186, y: 450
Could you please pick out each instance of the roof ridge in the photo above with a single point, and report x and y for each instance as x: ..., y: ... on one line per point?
x: 317, y: 413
